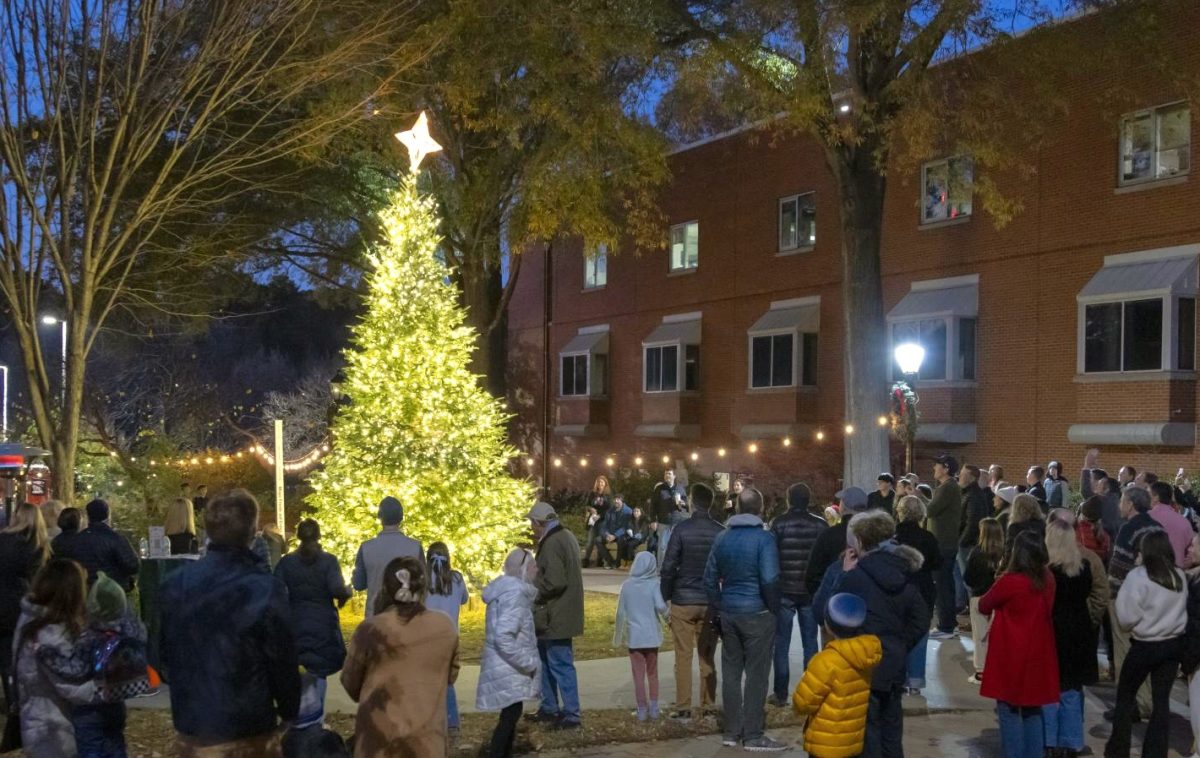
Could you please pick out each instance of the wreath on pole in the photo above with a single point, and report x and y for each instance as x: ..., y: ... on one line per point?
x: 903, y: 414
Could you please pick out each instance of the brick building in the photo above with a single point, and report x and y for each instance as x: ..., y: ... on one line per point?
x: 1072, y: 326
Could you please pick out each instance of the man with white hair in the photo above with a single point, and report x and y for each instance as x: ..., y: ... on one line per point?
x: 557, y: 617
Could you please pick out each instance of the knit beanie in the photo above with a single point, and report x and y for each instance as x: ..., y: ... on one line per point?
x: 845, y: 614
x: 106, y: 601
x: 391, y: 513
x: 97, y: 511
x: 799, y: 495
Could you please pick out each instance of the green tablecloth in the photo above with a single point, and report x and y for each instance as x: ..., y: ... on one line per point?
x: 150, y: 578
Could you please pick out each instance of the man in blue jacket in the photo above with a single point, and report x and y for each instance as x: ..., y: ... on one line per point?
x: 742, y: 582
x: 227, y: 647
x: 615, y: 531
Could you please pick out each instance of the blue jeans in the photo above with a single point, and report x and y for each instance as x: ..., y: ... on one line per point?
x: 916, y: 663
x: 312, y: 701
x: 559, y: 679
x: 884, y: 735
x: 783, y: 641
x: 100, y: 730
x: 1021, y: 730
x: 1064, y: 720
x: 962, y: 597
x: 451, y: 708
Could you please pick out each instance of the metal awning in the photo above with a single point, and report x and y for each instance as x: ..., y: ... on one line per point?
x: 938, y: 298
x: 1135, y: 275
x: 683, y: 332
x: 802, y: 318
x: 586, y: 342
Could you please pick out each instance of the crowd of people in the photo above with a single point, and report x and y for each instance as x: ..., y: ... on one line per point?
x: 1046, y: 584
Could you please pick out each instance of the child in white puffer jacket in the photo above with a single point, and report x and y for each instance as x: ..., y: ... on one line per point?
x: 509, y: 671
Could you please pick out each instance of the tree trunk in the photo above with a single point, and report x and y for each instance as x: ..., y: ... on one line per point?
x: 481, y: 292
x: 862, y: 188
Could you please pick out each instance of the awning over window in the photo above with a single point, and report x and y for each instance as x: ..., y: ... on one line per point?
x: 803, y: 316
x: 587, y: 342
x: 1153, y: 273
x: 683, y: 332
x: 958, y: 296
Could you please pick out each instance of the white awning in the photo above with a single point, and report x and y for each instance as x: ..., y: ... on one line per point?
x: 1123, y: 277
x: 587, y: 342
x: 958, y: 296
x: 683, y: 332
x: 805, y: 317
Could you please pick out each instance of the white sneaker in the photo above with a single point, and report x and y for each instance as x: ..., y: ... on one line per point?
x: 938, y: 634
x: 729, y: 741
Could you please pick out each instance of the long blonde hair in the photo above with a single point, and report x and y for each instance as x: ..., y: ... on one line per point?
x: 1024, y: 508
x: 181, y: 517
x: 28, y: 521
x: 1063, y: 548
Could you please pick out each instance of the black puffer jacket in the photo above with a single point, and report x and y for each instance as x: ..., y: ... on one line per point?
x: 796, y: 535
x: 828, y: 548
x: 98, y: 548
x: 682, y: 575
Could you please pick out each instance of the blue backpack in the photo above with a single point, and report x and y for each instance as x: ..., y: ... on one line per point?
x: 119, y: 667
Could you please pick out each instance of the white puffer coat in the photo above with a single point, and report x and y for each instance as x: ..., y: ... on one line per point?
x: 509, y: 670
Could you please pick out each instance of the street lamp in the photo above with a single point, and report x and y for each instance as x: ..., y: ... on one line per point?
x: 62, y: 392
x: 909, y: 356
x: 4, y: 407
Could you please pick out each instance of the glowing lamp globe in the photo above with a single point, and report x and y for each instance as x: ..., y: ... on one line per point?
x: 909, y: 357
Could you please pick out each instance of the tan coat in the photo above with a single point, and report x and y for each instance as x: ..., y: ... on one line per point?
x: 398, y: 672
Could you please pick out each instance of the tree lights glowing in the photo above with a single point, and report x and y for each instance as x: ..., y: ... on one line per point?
x: 418, y: 425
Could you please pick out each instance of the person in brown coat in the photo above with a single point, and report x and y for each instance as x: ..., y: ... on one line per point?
x: 398, y: 667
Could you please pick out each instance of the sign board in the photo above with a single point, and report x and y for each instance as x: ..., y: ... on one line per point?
x: 160, y: 546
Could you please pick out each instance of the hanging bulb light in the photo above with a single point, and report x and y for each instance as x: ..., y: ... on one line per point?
x: 609, y: 461
x: 720, y: 452
x: 883, y: 420
x: 695, y: 456
x: 557, y: 462
x: 637, y: 461
x: 583, y: 462
x: 753, y: 448
x: 787, y: 441
x: 666, y: 459
x: 820, y: 436
x: 849, y: 428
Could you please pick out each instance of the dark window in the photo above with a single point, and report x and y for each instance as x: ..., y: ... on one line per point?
x: 1187, y: 333
x: 574, y: 374
x: 933, y: 339
x: 662, y: 368
x: 1102, y: 337
x: 966, y: 347
x: 599, y: 374
x: 691, y: 367
x: 1143, y: 335
x: 771, y: 361
x: 808, y: 368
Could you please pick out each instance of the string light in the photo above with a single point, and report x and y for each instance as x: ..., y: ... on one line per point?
x: 849, y: 428
x: 529, y: 462
x: 583, y: 462
x: 557, y: 462
x: 720, y: 452
x: 637, y: 461
x: 883, y: 420
x: 695, y: 456
x: 753, y: 447
x: 787, y: 441
x: 666, y: 459
x: 609, y: 462
x: 820, y: 436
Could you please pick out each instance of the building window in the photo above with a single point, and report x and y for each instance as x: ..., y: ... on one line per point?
x: 966, y: 347
x: 771, y: 360
x: 685, y: 246
x: 574, y: 375
x: 595, y: 268
x: 691, y: 367
x: 1130, y: 335
x: 797, y: 222
x: 949, y: 347
x: 949, y: 184
x: 662, y: 368
x: 1156, y: 143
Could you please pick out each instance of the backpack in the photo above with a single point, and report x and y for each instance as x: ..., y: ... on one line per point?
x: 119, y: 667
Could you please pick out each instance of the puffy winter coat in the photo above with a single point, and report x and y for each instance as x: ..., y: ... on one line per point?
x: 922, y: 540
x: 509, y: 667
x: 796, y: 534
x: 45, y: 697
x: 682, y: 571
x: 886, y: 578
x: 98, y: 548
x: 834, y: 693
x: 314, y: 585
x: 640, y: 608
x: 742, y: 573
x: 1022, y: 661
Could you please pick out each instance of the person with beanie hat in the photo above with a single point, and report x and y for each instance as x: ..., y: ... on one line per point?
x: 376, y: 553
x: 835, y: 690
x: 99, y: 548
x: 796, y: 533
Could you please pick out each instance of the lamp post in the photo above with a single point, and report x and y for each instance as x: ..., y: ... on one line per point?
x: 4, y: 407
x: 909, y: 356
x: 62, y: 391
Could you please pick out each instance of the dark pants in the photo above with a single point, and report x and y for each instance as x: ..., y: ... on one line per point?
x: 100, y: 730
x: 1160, y: 662
x: 747, y: 640
x: 802, y: 612
x: 943, y: 579
x: 626, y: 547
x: 595, y: 544
x: 6, y: 667
x: 506, y: 732
x: 885, y: 725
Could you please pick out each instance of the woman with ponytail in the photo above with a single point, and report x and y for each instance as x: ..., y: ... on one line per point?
x: 400, y: 663
x: 447, y: 594
x: 316, y: 589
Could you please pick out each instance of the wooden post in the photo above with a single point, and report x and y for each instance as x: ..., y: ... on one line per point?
x: 279, y: 508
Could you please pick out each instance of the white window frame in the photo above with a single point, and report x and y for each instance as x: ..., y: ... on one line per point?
x: 750, y: 354
x: 1154, y: 113
x: 683, y: 226
x: 954, y: 362
x: 947, y: 162
x: 1169, y: 359
x: 796, y: 245
x: 680, y: 366
x: 594, y: 277
x: 562, y: 378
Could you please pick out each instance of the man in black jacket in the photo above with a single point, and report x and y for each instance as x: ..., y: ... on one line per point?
x: 796, y: 534
x: 975, y: 508
x: 98, y: 548
x: 669, y: 504
x: 682, y: 584
x: 883, y: 498
x: 832, y: 542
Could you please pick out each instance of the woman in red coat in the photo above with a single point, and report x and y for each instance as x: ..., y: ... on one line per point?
x: 1021, y: 671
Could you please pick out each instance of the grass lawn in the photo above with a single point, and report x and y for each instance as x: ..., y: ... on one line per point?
x: 599, y: 612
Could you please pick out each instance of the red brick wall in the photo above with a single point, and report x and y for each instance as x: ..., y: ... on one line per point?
x: 1029, y: 272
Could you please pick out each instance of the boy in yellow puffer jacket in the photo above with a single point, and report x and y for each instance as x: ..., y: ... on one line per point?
x: 836, y: 686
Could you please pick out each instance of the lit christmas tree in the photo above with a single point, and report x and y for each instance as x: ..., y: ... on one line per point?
x: 418, y: 425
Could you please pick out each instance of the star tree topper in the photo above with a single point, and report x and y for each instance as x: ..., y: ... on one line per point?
x: 418, y: 142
